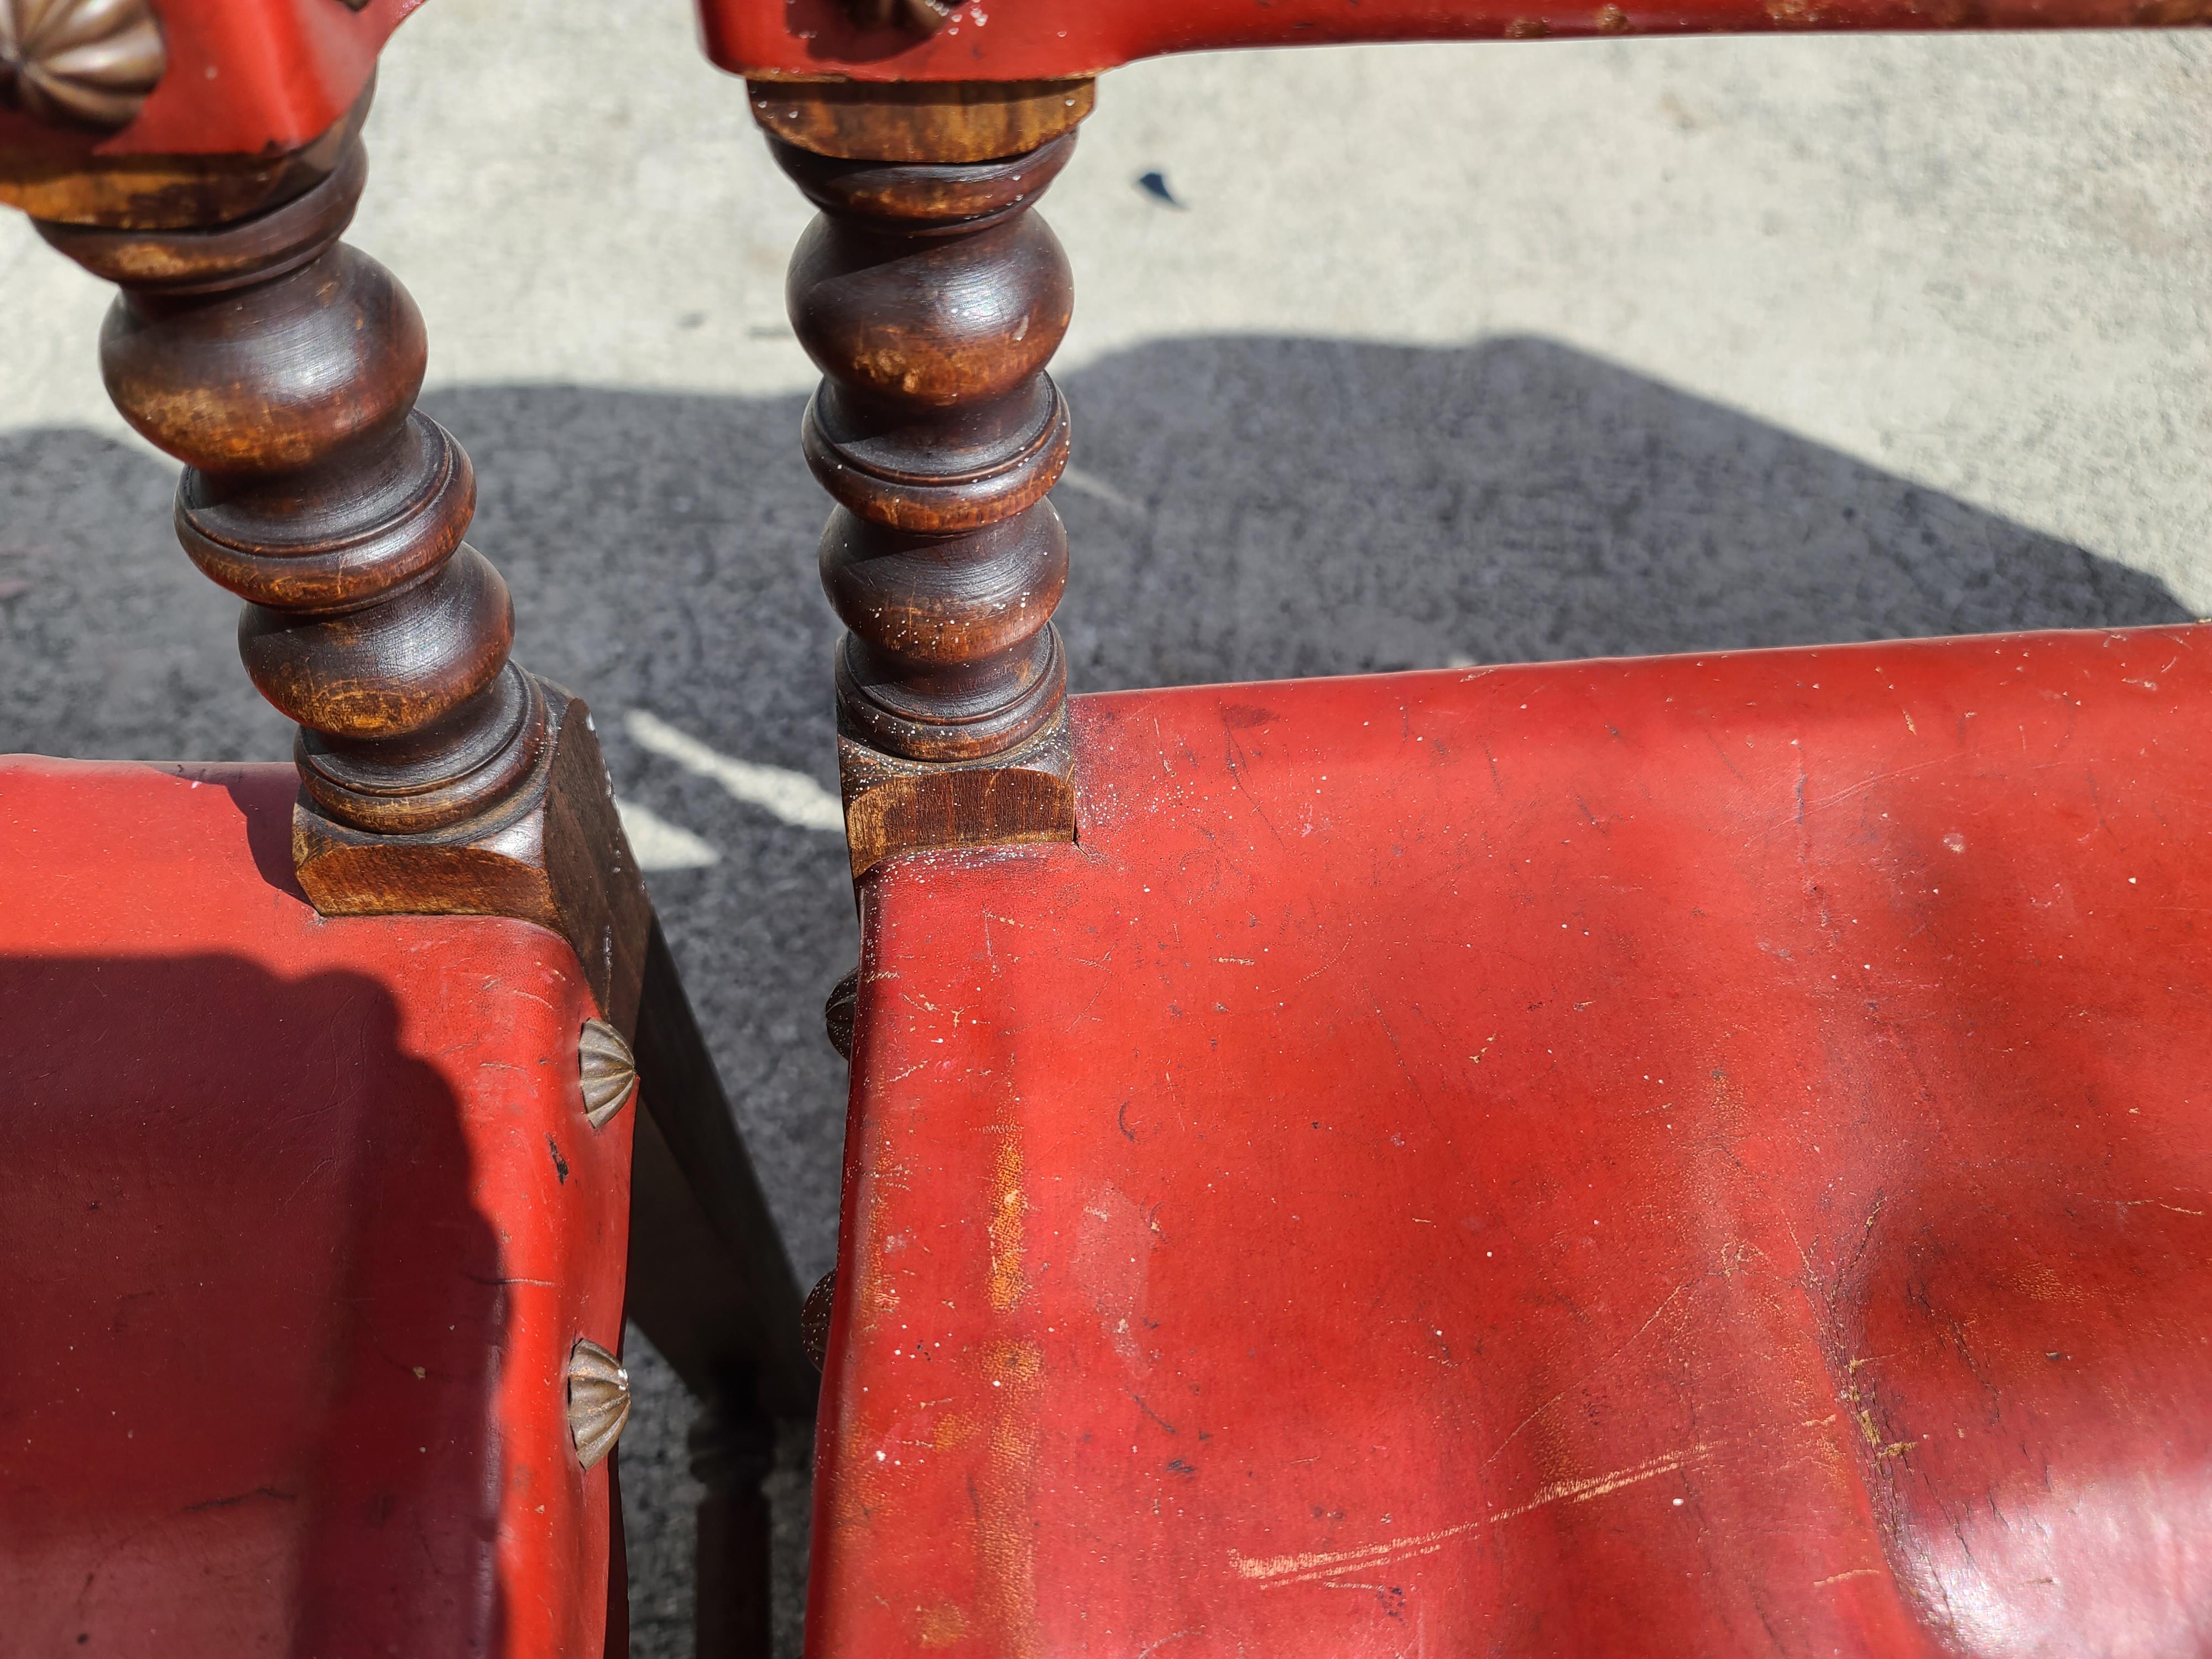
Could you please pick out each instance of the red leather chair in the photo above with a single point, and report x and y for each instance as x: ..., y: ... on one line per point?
x: 1704, y: 1155
x: 328, y: 1183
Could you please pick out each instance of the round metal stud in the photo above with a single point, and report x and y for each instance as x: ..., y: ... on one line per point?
x: 837, y: 1013
x: 608, y: 1069
x: 814, y: 1318
x: 599, y: 1401
x: 84, y: 62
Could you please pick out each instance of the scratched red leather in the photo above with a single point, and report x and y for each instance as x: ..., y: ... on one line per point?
x: 1691, y: 1156
x: 302, y: 1219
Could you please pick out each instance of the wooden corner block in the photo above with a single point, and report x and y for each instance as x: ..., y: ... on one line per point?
x: 1026, y: 794
x: 553, y: 854
x: 920, y: 121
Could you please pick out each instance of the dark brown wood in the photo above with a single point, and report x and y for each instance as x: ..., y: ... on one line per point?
x: 731, y: 1452
x: 552, y: 853
x: 282, y: 367
x: 618, y: 1642
x: 892, y: 805
x: 154, y: 193
x: 65, y: 182
x: 711, y: 1286
x: 920, y: 120
x: 815, y: 1316
x: 725, y: 1304
x: 931, y: 297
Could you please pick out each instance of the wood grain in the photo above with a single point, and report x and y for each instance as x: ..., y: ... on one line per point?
x: 933, y: 297
x: 893, y: 806
x: 162, y: 192
x: 282, y: 366
x: 920, y: 121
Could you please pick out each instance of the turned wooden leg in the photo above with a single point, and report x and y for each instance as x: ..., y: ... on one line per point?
x: 931, y: 297
x: 282, y: 367
x: 733, y: 1449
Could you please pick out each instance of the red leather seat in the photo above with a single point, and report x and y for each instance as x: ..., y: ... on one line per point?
x: 1708, y: 1155
x: 315, y: 1222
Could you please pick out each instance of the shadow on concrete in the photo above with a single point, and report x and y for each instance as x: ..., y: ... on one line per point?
x: 1242, y: 508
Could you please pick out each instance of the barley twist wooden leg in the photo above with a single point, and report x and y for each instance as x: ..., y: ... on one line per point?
x: 282, y: 367
x: 931, y: 297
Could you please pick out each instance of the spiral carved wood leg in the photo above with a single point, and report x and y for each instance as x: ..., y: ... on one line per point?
x: 282, y: 367
x: 932, y: 298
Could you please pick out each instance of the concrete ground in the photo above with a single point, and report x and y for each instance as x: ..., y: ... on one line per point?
x: 1436, y: 354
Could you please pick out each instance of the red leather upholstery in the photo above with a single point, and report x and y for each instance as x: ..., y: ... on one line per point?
x: 1694, y: 1156
x: 1045, y: 38
x: 302, y: 1218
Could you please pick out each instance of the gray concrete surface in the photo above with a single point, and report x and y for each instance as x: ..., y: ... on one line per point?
x: 1445, y: 355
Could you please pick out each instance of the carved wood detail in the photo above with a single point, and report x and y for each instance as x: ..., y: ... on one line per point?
x: 282, y: 367
x: 932, y: 298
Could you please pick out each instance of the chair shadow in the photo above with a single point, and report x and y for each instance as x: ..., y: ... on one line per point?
x: 1317, y: 507
x: 249, y: 1239
x: 1240, y: 508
